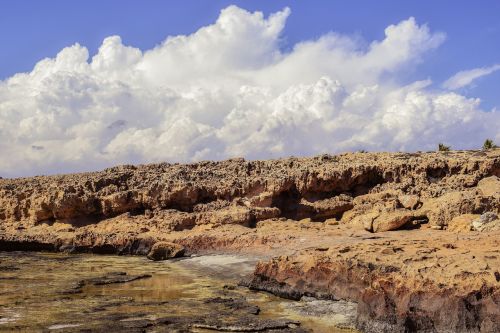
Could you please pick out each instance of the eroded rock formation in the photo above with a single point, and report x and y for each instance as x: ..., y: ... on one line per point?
x: 327, y: 219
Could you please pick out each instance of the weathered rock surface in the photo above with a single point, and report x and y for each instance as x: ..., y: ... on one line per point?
x: 417, y: 282
x: 462, y: 223
x: 488, y: 221
x: 89, y: 209
x: 165, y: 250
x: 329, y: 219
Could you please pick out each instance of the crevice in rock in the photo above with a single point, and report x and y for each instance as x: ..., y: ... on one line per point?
x: 291, y: 204
x: 415, y: 223
x: 365, y: 183
x: 49, y: 221
x: 140, y: 210
x: 337, y: 216
x: 435, y: 174
x: 288, y: 202
x: 253, y: 222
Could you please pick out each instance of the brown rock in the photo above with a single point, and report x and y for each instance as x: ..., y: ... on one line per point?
x: 364, y: 221
x: 391, y: 220
x: 406, y: 288
x: 111, y: 208
x: 165, y: 250
x: 406, y: 280
x: 489, y: 186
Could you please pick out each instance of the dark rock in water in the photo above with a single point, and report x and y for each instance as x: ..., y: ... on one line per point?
x: 74, y: 289
x: 222, y: 324
x: 263, y: 283
x: 141, y: 246
x: 115, y: 277
x: 68, y: 301
x: 165, y: 250
x: 246, y: 324
x: 115, y: 323
x: 110, y: 278
x: 233, y: 305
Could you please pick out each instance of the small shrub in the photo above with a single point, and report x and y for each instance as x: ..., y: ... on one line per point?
x: 488, y: 144
x: 443, y: 147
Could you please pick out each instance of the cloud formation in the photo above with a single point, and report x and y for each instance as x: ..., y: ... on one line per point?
x: 465, y: 78
x: 229, y: 90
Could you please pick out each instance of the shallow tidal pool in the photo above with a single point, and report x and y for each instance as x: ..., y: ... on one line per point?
x: 55, y: 292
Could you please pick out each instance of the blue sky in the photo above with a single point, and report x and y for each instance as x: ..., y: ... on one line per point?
x: 91, y: 84
x: 33, y: 30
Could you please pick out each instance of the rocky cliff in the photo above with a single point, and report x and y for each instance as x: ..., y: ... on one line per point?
x: 327, y: 219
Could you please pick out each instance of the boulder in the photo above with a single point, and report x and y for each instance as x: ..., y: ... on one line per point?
x: 440, y: 211
x: 364, y: 221
x: 378, y: 221
x: 369, y: 206
x: 462, y: 223
x: 487, y: 222
x: 165, y: 250
x: 489, y: 186
x: 409, y: 201
x: 387, y: 221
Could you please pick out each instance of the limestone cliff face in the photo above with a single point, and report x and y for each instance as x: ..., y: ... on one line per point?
x: 374, y: 191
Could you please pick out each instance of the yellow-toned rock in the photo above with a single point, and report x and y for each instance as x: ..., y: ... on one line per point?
x: 331, y: 221
x: 409, y: 201
x: 489, y: 186
x: 462, y: 223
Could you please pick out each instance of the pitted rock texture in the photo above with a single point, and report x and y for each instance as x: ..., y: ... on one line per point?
x: 165, y: 250
x: 396, y: 232
x: 422, y: 281
x: 378, y: 192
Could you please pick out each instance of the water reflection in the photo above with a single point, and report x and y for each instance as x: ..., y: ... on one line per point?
x: 43, y: 291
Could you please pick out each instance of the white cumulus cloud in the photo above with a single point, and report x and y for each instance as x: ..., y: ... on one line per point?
x: 229, y: 90
x: 465, y: 78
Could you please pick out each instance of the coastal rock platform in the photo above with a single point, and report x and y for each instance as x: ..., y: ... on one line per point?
x: 413, y: 239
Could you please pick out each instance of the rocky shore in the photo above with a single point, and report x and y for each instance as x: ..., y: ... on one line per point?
x: 412, y: 238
